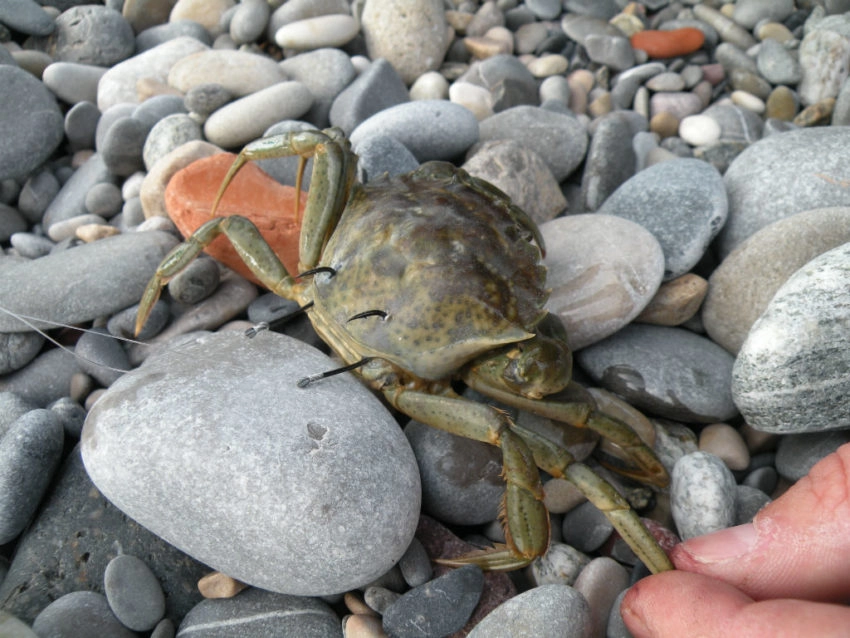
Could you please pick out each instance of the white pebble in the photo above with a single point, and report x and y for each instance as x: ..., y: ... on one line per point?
x: 476, y: 98
x: 699, y: 130
x: 748, y: 101
x: 429, y: 86
x: 315, y: 33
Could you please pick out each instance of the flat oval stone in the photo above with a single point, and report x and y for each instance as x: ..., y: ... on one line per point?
x: 702, y: 495
x: 744, y: 283
x: 670, y: 372
x: 239, y: 72
x: 782, y: 175
x: 133, y: 592
x: 603, y: 270
x: 793, y: 363
x: 259, y: 613
x: 328, y: 493
x: 87, y: 612
x: 547, y: 610
x: 681, y: 202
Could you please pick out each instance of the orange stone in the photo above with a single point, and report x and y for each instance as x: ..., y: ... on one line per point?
x: 252, y: 194
x: 668, y: 44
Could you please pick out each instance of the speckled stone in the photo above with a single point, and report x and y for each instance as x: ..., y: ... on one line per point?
x: 741, y: 287
x: 824, y: 58
x: 653, y: 368
x: 793, y: 362
x: 560, y: 565
x: 603, y: 270
x: 702, y: 495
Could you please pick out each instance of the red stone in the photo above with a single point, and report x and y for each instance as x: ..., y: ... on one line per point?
x: 668, y: 44
x: 252, y: 194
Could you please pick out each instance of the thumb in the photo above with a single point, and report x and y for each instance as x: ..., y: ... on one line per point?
x: 796, y: 547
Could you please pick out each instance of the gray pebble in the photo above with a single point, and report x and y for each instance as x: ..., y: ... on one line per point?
x: 25, y: 16
x: 160, y: 33
x: 133, y: 593
x: 90, y: 34
x: 45, y: 379
x: 31, y: 124
x: 37, y: 193
x: 610, y: 159
x: 164, y: 629
x: 438, y: 608
x: 777, y: 65
x: 122, y: 146
x: 461, y: 478
x: 652, y: 367
x: 122, y: 323
x: 326, y: 72
x: 66, y: 230
x: 748, y: 501
x: 586, y: 528
x: 260, y: 613
x: 702, y: 495
x: 559, y: 139
x: 73, y: 82
x: 80, y: 613
x: 823, y: 55
x: 11, y: 222
x: 108, y: 118
x: 101, y: 356
x: 196, y: 282
x: 763, y: 479
x: 158, y: 107
x: 614, y: 51
x: 547, y: 610
x: 797, y: 453
x: 30, y: 245
x: 748, y: 13
x: 601, y: 582
x: 70, y: 414
x: 793, y: 362
x: 249, y: 21
x: 81, y: 125
x: 379, y: 598
x: 30, y: 452
x: 203, y: 99
x: 12, y: 406
x: 314, y: 486
x: 415, y: 564
x: 17, y: 349
x: 627, y: 83
x: 380, y: 154
x: 681, y: 202
x: 430, y: 129
x: 104, y: 199
x: 167, y: 134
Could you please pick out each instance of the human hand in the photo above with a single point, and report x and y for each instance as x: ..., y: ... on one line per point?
x: 776, y: 576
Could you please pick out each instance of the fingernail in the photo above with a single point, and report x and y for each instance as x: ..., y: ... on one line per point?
x: 726, y: 544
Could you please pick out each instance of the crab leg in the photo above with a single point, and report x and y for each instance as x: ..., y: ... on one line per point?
x: 247, y: 241
x: 523, y: 514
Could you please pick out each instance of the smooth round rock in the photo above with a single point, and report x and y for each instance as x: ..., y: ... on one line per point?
x: 824, y: 56
x: 610, y: 157
x: 602, y: 270
x: 725, y: 442
x: 169, y: 133
x: 792, y: 365
x: 796, y: 454
x: 547, y: 610
x: 585, y: 527
x: 745, y: 282
x: 748, y: 502
x: 90, y: 34
x: 461, y: 478
x: 316, y: 33
x: 699, y: 130
x: 31, y: 124
x: 702, y: 495
x: 377, y: 88
x: 670, y: 372
x: 133, y: 592
x: 258, y: 614
x: 600, y: 583
x: 782, y: 175
x: 239, y: 72
x: 80, y: 613
x: 30, y: 452
x: 197, y: 282
x: 73, y: 82
x: 314, y: 487
x: 17, y: 349
x: 560, y: 565
x: 681, y: 202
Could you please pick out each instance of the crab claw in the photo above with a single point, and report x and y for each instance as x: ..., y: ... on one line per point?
x: 499, y: 558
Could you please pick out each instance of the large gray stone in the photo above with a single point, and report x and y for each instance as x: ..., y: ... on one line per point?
x: 782, y: 175
x: 791, y: 373
x: 213, y: 447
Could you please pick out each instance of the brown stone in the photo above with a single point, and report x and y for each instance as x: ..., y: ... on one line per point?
x: 676, y: 301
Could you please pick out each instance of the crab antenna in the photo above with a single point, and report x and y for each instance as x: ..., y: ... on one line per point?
x: 253, y: 331
x: 316, y: 271
x: 369, y: 313
x: 303, y: 383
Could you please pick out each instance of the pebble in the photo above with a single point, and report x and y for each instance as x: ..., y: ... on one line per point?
x: 81, y: 125
x: 37, y: 193
x: 18, y: 349
x: 89, y: 34
x: 546, y: 610
x: 412, y: 37
x: 602, y: 270
x: 728, y: 31
x: 12, y: 406
x: 197, y: 282
x: 30, y: 451
x: 73, y: 82
x: 429, y: 86
x: 439, y: 607
x: 325, y: 72
x: 70, y: 414
x: 560, y: 565
x: 559, y: 139
x: 32, y: 124
x: 699, y: 130
x: 45, y: 379
x: 86, y: 612
x: 461, y: 478
x: 650, y: 366
x: 681, y: 202
x: 415, y: 565
x: 702, y: 495
x: 610, y: 157
x: 249, y: 21
x: 379, y: 154
x: 748, y: 13
x: 668, y: 44
x: 133, y: 593
x: 154, y: 36
x: 586, y: 528
x: 748, y: 502
x: 726, y: 443
x: 239, y: 72
x: 316, y: 33
x: 600, y: 582
x: 430, y: 129
x: 70, y: 201
x: 613, y: 51
x: 316, y: 549
x: 246, y: 119
x: 791, y: 389
x: 522, y: 174
x: 824, y: 57
x: 168, y: 134
x: 377, y: 88
x: 11, y: 222
x: 26, y: 17
x: 769, y: 257
x: 208, y: 13
x: 104, y: 199
x: 261, y: 613
x: 796, y: 454
x: 781, y: 175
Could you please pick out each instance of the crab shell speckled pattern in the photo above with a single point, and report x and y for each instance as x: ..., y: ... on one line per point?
x: 457, y: 268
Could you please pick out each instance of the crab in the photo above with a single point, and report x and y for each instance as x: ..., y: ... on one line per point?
x: 420, y: 281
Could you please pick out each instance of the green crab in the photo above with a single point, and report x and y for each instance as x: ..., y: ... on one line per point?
x: 428, y: 278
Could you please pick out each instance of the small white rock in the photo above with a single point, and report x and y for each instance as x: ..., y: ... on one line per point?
x: 699, y: 130
x: 748, y: 101
x: 315, y: 33
x: 429, y: 86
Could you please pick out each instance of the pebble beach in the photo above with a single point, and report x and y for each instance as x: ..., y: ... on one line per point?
x: 687, y: 166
